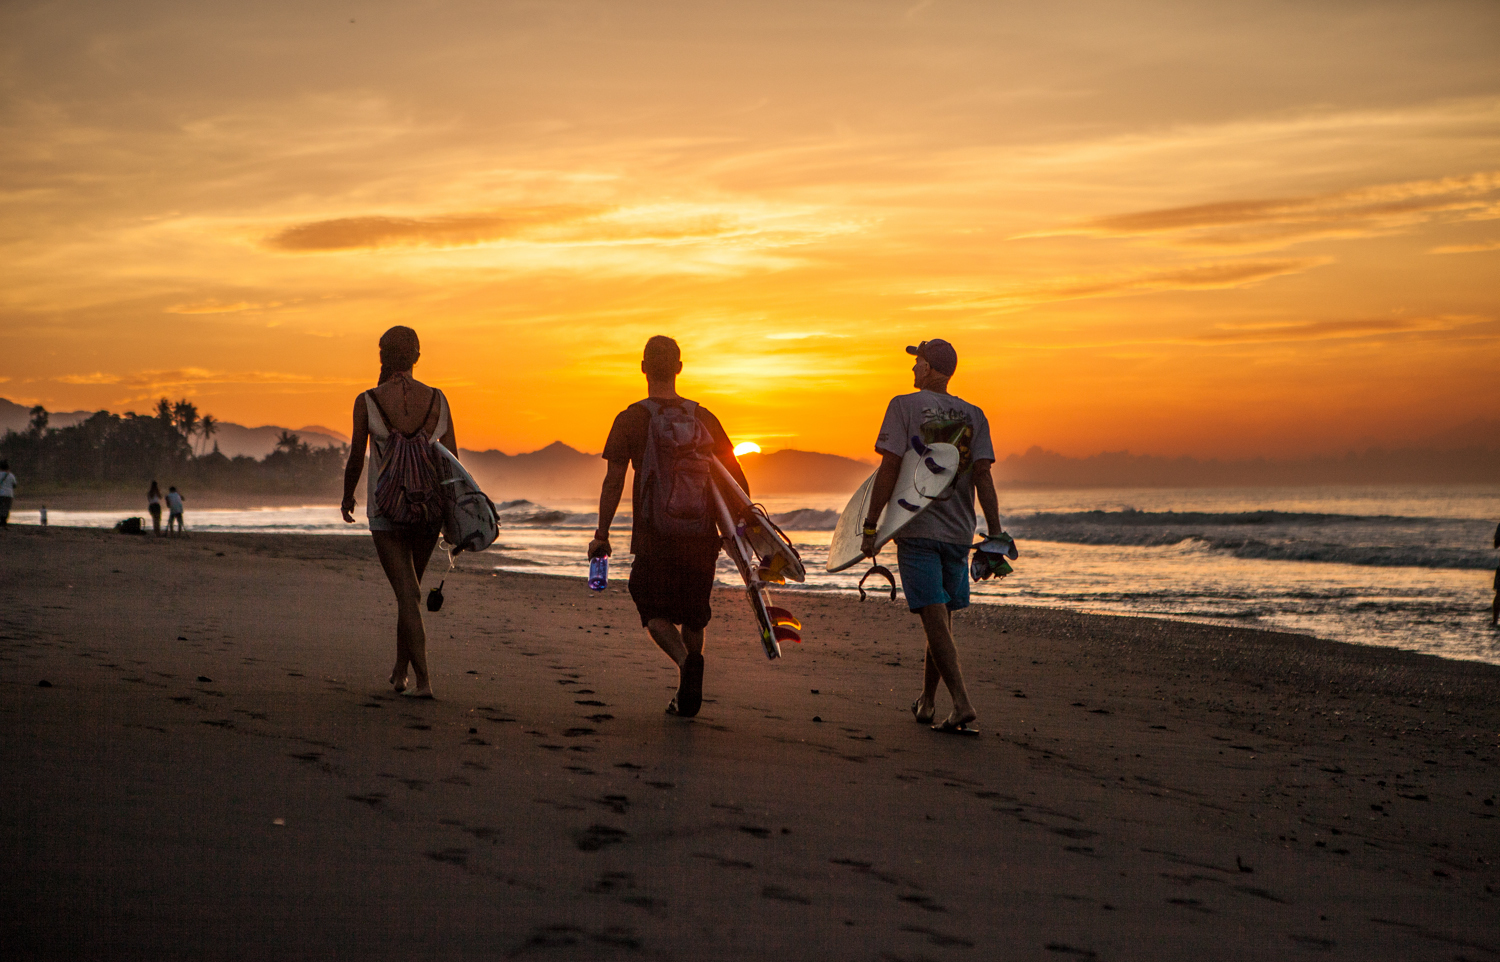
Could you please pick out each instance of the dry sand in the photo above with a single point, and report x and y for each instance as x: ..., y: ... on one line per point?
x: 216, y: 771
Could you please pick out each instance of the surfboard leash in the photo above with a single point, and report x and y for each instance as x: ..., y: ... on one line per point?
x: 885, y: 573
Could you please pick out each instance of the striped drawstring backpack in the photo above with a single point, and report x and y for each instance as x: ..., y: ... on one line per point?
x: 407, y: 489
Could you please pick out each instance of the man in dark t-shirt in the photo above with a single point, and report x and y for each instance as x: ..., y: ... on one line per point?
x: 671, y: 577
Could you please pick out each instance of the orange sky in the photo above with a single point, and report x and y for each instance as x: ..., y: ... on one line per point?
x: 1178, y: 228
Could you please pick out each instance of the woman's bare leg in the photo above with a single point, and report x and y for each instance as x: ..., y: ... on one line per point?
x: 404, y: 560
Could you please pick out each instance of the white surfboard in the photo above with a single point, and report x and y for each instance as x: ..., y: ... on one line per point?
x: 927, y: 472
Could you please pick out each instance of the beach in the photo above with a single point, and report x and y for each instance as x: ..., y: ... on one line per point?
x: 215, y: 769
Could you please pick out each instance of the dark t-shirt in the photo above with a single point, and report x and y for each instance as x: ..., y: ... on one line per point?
x: 627, y: 442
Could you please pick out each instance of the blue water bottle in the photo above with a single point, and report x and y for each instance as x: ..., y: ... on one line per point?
x: 599, y: 573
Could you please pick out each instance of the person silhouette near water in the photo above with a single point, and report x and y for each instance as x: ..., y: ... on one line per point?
x: 174, y: 510
x: 7, y: 493
x: 153, y: 507
x: 1495, y: 605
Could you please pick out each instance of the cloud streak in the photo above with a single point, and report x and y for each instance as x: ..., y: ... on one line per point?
x: 463, y: 230
x: 1198, y: 277
x: 192, y: 377
x: 1278, y: 222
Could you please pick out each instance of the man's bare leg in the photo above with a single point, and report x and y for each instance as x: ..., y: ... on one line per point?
x: 670, y: 640
x: 926, y: 704
x: 942, y: 654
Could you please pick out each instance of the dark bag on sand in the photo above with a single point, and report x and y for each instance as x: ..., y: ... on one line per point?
x: 407, y: 489
x: 130, y: 526
x: 677, y: 469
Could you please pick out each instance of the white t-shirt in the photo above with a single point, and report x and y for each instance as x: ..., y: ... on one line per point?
x: 174, y: 502
x: 7, y: 485
x: 937, y: 418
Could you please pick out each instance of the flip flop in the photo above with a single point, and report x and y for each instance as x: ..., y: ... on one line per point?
x: 956, y: 728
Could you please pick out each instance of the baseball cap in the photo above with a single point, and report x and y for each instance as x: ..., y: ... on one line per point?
x: 938, y: 353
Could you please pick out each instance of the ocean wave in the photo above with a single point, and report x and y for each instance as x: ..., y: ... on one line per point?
x: 806, y: 519
x: 1380, y: 541
x: 523, y: 512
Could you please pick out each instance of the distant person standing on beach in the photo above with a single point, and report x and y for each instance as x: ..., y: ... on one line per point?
x: 1495, y: 605
x: 933, y: 550
x: 399, y: 417
x: 7, y: 493
x: 672, y: 576
x: 174, y: 510
x: 153, y: 505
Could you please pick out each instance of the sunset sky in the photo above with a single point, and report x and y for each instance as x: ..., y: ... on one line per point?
x: 1216, y: 229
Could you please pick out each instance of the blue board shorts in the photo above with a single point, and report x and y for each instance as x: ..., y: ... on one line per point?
x: 933, y: 573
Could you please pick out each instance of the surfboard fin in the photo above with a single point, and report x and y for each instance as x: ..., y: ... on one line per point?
x: 780, y: 616
x: 783, y: 633
x: 907, y: 504
x: 934, y: 467
x: 918, y: 445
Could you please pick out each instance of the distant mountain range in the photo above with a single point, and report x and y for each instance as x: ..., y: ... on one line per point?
x: 1468, y: 454
x: 559, y: 471
x: 233, y: 439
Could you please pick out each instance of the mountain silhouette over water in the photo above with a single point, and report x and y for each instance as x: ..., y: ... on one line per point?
x: 560, y: 471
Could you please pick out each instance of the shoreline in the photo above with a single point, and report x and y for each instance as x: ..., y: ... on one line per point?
x: 502, y: 561
x: 216, y: 770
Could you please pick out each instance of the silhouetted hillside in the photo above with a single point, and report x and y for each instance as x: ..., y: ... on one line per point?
x: 803, y: 472
x: 234, y: 440
x: 559, y: 471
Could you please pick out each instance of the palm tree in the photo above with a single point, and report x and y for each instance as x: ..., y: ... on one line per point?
x: 185, y: 418
x: 208, y: 426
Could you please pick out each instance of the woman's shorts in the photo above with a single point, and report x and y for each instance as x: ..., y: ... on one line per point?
x: 676, y: 583
x: 378, y: 523
x: 933, y: 573
x: 155, y: 510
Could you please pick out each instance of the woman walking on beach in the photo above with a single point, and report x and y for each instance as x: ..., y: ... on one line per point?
x: 399, y: 417
x: 153, y: 505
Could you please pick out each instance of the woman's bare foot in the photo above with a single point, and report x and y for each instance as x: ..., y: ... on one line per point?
x: 398, y: 683
x: 959, y: 723
x: 419, y: 693
x: 923, y: 711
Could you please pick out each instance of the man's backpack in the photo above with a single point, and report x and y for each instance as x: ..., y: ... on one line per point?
x: 407, y: 489
x: 677, y: 469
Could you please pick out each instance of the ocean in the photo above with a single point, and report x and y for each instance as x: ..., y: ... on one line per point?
x: 1402, y: 567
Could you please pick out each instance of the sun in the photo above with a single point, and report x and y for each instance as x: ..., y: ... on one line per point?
x: 746, y: 447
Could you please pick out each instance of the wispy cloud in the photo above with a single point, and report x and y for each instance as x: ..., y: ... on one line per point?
x: 191, y: 377
x: 1198, y: 277
x: 461, y: 230
x: 212, y: 306
x: 1479, y: 248
x: 1331, y: 329
x: 1278, y: 222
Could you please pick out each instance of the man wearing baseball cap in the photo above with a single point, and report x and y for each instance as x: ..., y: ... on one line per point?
x: 933, y: 550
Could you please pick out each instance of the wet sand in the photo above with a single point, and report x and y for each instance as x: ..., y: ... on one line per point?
x: 215, y: 770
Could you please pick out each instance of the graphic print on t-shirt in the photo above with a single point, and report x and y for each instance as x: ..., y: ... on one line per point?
x: 950, y: 427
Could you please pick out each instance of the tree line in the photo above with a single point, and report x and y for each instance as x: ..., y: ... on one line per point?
x: 170, y: 446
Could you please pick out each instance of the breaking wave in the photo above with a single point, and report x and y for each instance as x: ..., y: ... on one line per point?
x: 1382, y: 541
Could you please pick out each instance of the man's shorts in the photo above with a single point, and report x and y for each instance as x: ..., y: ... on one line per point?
x: 933, y: 573
x: 675, y: 582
